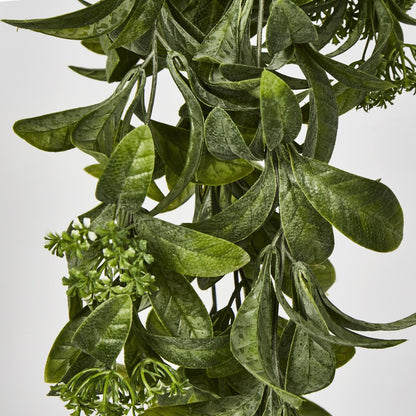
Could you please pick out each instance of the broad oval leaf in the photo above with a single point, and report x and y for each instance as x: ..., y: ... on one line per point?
x: 366, y: 211
x: 192, y: 352
x: 104, y: 333
x: 223, y: 138
x: 63, y: 353
x: 247, y: 214
x: 51, y: 132
x: 179, y: 308
x: 280, y: 112
x: 226, y: 406
x: 308, y: 234
x: 92, y: 21
x: 187, y: 251
x: 309, y: 408
x: 127, y: 176
x: 288, y: 24
x: 309, y: 362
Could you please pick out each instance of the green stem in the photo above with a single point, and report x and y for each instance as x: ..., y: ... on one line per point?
x: 154, y: 82
x: 260, y: 31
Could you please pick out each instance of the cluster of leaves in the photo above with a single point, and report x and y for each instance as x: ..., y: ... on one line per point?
x: 266, y: 202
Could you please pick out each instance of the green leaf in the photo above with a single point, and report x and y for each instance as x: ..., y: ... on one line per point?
x: 225, y: 406
x: 172, y: 143
x: 247, y: 214
x: 349, y: 76
x: 63, y: 353
x: 329, y: 28
x: 187, y: 251
x: 92, y: 73
x: 93, y: 45
x: 127, y: 176
x: 309, y: 236
x: 175, y: 35
x: 179, y: 308
x: 323, y: 117
x: 252, y: 336
x: 288, y: 24
x: 104, y: 333
x: 280, y: 112
x: 223, y: 139
x: 324, y: 273
x: 192, y: 352
x: 309, y: 362
x: 221, y: 45
x: 343, y: 354
x: 309, y: 408
x: 89, y: 22
x: 140, y: 20
x: 51, y: 132
x: 365, y: 211
x: 96, y: 131
x: 196, y: 137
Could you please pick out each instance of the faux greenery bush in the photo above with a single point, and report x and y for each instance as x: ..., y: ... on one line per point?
x: 265, y: 202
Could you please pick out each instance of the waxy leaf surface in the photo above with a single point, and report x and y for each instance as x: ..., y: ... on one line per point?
x: 247, y: 214
x: 102, y: 17
x: 179, y: 308
x: 280, y: 112
x: 103, y: 334
x: 308, y: 234
x: 187, y: 251
x: 127, y: 176
x: 366, y: 211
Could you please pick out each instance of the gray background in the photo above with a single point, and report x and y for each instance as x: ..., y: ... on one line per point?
x: 42, y: 192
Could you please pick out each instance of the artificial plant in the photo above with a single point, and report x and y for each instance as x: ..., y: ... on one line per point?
x: 266, y: 200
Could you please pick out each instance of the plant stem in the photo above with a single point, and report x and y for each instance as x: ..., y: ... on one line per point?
x: 154, y: 82
x: 237, y: 288
x: 260, y: 31
x: 214, y: 299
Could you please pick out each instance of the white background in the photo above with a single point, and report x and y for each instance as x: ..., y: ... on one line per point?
x: 42, y: 192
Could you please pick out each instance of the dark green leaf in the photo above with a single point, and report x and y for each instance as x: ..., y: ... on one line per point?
x: 225, y: 406
x: 175, y: 35
x: 400, y: 14
x: 93, y: 45
x: 104, y: 333
x: 311, y: 409
x: 189, y: 252
x: 93, y: 73
x: 309, y: 362
x: 102, y: 17
x: 192, y: 352
x: 196, y: 136
x: 288, y: 24
x: 51, y: 132
x: 343, y: 354
x: 96, y: 131
x: 127, y: 176
x: 141, y: 19
x: 179, y: 308
x: 221, y: 45
x: 252, y: 334
x: 247, y: 214
x: 323, y: 117
x: 223, y: 138
x: 349, y: 76
x: 365, y: 211
x: 324, y: 273
x: 172, y: 144
x: 280, y: 112
x: 309, y: 236
x: 63, y: 353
